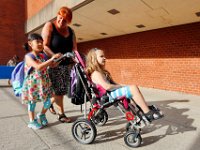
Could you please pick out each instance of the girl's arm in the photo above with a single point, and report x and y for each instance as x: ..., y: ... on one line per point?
x: 46, y: 35
x: 40, y: 65
x: 98, y: 78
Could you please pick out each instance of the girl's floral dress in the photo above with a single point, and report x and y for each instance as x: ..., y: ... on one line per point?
x: 37, y: 84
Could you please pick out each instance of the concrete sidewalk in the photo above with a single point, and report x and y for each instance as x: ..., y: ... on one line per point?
x: 178, y: 130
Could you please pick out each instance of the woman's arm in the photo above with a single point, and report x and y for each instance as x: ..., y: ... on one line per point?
x: 46, y: 35
x: 98, y: 78
x: 74, y: 41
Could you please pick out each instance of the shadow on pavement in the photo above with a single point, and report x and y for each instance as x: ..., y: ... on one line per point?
x: 174, y: 122
x: 110, y: 135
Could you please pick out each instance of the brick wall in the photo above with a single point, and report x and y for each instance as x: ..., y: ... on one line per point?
x: 12, y: 37
x: 167, y: 58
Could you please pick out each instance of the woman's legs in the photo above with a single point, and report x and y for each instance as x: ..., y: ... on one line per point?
x: 51, y: 109
x: 59, y: 102
x: 60, y: 77
x: 139, y: 99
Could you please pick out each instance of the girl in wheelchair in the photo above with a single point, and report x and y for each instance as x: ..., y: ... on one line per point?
x: 95, y: 68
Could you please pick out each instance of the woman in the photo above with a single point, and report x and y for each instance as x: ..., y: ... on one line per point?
x: 95, y: 67
x: 59, y: 38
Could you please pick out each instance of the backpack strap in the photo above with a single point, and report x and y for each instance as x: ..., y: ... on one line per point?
x: 31, y: 68
x: 31, y: 55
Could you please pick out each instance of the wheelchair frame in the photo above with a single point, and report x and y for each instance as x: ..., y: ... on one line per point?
x: 84, y: 129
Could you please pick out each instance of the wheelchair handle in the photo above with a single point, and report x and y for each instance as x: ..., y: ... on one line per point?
x: 66, y: 55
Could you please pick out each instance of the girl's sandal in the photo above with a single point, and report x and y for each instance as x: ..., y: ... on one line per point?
x: 64, y: 119
x: 52, y: 110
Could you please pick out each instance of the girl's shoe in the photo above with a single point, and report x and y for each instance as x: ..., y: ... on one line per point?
x: 154, y: 115
x: 34, y: 125
x: 43, y: 119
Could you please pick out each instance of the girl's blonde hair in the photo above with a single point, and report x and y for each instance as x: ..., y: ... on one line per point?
x: 93, y: 65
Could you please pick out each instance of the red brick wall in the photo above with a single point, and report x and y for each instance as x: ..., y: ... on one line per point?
x: 33, y: 6
x: 12, y: 26
x: 167, y: 58
x: 12, y: 37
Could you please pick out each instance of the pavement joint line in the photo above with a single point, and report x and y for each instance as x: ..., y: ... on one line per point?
x: 7, y: 117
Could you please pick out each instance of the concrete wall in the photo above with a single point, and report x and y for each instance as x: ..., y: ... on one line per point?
x: 11, y: 29
x: 167, y: 58
x: 33, y: 7
x: 43, y: 11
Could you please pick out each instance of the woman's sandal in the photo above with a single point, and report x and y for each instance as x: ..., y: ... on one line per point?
x: 62, y: 118
x: 52, y: 110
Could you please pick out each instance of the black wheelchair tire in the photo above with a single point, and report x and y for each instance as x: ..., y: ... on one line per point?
x: 87, y: 129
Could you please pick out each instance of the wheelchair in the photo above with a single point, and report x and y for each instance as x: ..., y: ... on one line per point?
x: 84, y: 129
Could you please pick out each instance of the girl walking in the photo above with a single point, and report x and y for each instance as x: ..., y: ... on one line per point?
x: 37, y: 86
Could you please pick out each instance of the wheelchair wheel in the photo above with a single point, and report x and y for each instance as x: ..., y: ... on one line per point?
x: 100, y: 119
x: 130, y: 127
x: 84, y: 131
x: 133, y: 139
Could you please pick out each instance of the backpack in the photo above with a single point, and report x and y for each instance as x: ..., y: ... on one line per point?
x: 76, y: 88
x: 18, y: 75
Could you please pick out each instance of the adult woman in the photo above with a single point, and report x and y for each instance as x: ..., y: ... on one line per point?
x: 59, y: 38
x: 95, y: 67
